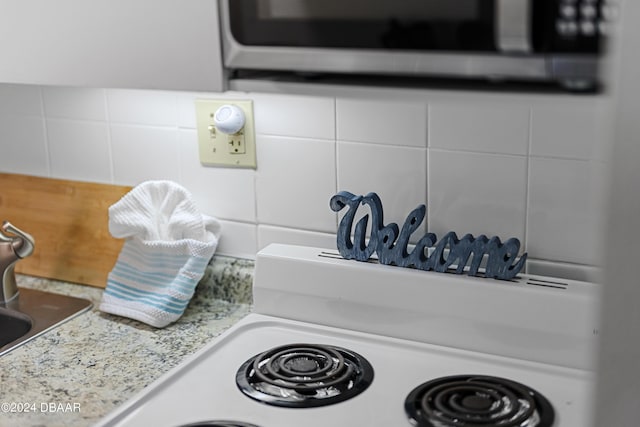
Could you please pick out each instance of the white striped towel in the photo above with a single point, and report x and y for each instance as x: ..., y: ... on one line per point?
x: 167, y: 248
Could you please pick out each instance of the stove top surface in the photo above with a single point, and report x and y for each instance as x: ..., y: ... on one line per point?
x: 205, y: 389
x: 333, y: 342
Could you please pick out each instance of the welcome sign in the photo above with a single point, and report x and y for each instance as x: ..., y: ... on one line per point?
x: 390, y: 243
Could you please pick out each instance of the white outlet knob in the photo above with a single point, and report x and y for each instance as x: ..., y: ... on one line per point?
x: 229, y: 119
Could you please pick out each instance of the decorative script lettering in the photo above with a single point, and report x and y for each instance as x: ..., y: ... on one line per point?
x: 391, y: 243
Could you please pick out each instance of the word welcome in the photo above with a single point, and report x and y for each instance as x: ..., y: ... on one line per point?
x: 390, y: 242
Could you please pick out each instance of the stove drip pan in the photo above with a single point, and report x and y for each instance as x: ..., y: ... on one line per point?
x: 219, y: 424
x: 474, y: 400
x: 304, y: 375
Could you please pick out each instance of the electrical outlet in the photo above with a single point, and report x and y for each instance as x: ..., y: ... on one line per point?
x: 218, y: 148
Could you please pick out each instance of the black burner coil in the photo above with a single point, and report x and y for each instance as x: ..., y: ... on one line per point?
x: 304, y: 375
x: 474, y: 401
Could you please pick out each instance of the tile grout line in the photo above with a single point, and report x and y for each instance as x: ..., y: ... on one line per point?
x: 527, y: 166
x: 45, y: 129
x: 335, y: 152
x: 107, y: 117
x: 256, y: 221
x: 427, y: 169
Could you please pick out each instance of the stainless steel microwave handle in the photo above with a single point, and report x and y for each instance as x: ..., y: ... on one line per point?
x: 513, y: 21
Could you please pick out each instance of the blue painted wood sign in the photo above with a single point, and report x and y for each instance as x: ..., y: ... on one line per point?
x: 390, y: 243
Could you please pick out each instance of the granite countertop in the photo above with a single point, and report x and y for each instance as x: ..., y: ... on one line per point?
x: 80, y: 371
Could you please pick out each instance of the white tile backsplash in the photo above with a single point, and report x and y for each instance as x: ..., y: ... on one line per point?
x: 24, y: 146
x: 74, y: 103
x: 497, y: 164
x: 299, y: 116
x: 477, y: 194
x: 382, y: 122
x: 227, y: 193
x: 295, y: 179
x: 488, y: 127
x: 238, y: 239
x: 142, y: 107
x: 397, y: 174
x: 563, y: 219
x: 144, y: 153
x: 70, y: 140
x: 567, y: 129
x: 20, y: 99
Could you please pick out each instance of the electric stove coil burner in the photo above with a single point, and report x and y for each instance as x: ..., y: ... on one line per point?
x: 472, y: 400
x: 304, y: 375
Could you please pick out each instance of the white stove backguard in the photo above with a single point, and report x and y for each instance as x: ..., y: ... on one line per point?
x: 534, y: 318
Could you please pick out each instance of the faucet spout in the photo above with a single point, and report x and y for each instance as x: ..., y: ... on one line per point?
x: 15, y: 244
x: 23, y: 243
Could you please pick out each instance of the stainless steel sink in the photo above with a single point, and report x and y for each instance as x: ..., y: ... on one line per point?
x: 13, y: 325
x: 32, y: 313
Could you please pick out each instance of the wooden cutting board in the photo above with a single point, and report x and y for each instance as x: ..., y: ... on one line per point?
x: 69, y: 222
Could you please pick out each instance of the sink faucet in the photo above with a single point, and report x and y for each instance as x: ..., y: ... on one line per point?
x: 15, y: 244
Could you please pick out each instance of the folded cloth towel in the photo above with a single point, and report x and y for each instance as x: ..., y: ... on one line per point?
x: 167, y: 248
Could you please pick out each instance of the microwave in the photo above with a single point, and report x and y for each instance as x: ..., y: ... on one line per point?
x: 551, y: 41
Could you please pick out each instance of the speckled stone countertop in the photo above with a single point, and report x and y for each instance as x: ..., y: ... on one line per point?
x: 80, y: 371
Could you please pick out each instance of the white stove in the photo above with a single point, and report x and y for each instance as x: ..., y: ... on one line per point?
x: 348, y: 343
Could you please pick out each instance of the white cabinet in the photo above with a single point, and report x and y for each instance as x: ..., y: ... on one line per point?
x: 163, y: 44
